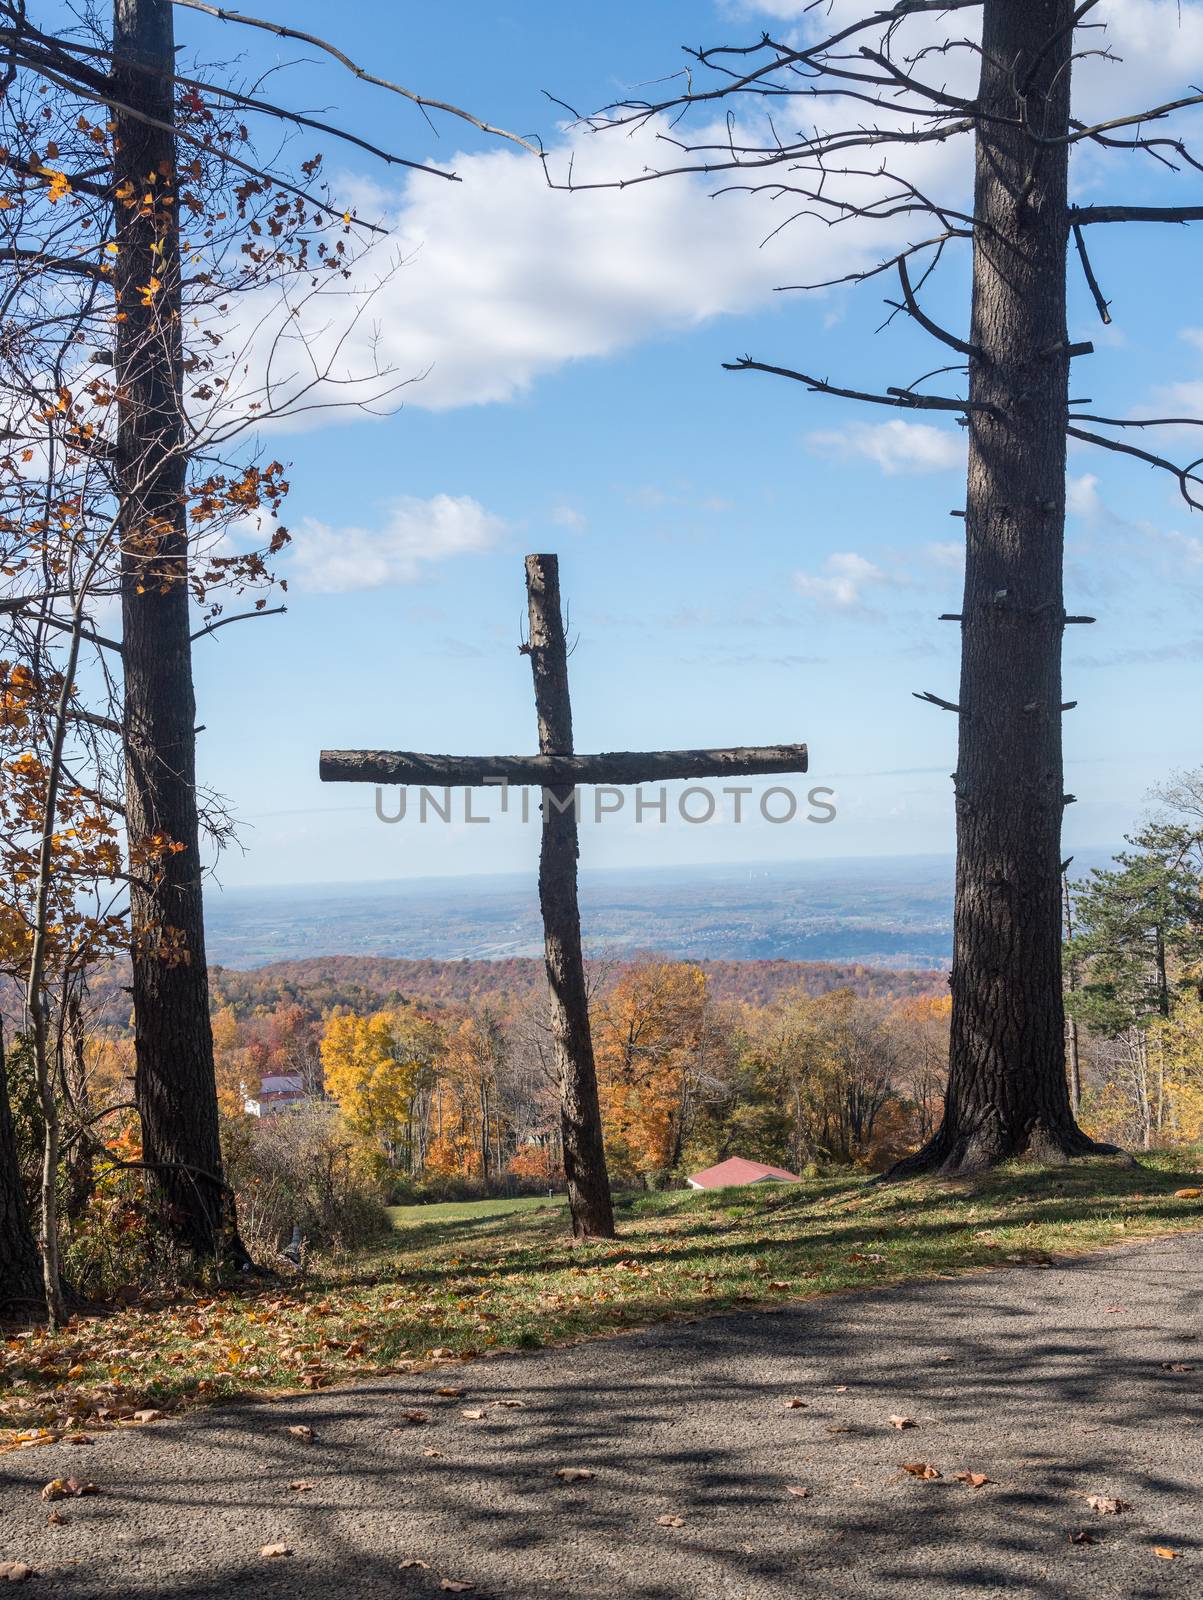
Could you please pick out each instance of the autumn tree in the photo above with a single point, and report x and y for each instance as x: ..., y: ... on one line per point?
x: 371, y: 1075
x: 843, y: 123
x: 656, y: 1047
x: 140, y: 220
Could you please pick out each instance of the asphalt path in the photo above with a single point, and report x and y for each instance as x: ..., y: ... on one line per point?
x: 1055, y: 1384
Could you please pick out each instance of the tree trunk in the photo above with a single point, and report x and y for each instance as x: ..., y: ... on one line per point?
x: 1072, y: 1043
x: 20, y: 1269
x: 174, y: 1076
x: 1007, y: 1090
x: 580, y: 1112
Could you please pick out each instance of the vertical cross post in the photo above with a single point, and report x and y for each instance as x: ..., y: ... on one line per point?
x: 584, y: 1157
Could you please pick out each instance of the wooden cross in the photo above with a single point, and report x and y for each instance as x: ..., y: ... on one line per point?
x: 557, y: 770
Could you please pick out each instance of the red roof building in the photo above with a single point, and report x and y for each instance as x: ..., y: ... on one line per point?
x: 736, y: 1171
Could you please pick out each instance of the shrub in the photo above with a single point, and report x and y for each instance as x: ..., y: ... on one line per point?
x: 301, y: 1169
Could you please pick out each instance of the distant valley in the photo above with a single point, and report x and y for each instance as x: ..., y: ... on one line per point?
x: 893, y: 912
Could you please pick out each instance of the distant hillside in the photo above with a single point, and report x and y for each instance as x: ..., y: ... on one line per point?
x: 364, y: 981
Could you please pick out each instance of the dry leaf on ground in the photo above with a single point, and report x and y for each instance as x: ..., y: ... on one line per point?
x: 1107, y: 1505
x: 1082, y: 1536
x: 1188, y: 1194
x: 670, y: 1521
x: 68, y: 1488
x: 1164, y: 1553
x: 271, y: 1551
x: 15, y: 1572
x: 472, y: 1414
x: 149, y: 1415
x: 301, y: 1485
x: 975, y: 1480
x: 413, y: 1419
x: 798, y: 1490
x: 794, y: 1404
x: 454, y: 1587
x: 1177, y: 1366
x: 575, y: 1474
x: 449, y: 1392
x: 921, y: 1469
x: 512, y: 1405
x: 302, y: 1430
x: 415, y: 1561
x: 902, y: 1422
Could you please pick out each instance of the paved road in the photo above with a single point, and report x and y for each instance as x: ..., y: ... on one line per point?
x: 1056, y: 1383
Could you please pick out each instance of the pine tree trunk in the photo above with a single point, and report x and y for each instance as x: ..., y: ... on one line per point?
x: 580, y: 1111
x: 1007, y: 1090
x: 20, y: 1268
x: 174, y: 1076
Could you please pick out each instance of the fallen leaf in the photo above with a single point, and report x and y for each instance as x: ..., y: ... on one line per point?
x: 273, y: 1550
x: 415, y: 1561
x: 450, y: 1393
x: 472, y: 1415
x: 454, y: 1587
x: 55, y: 1519
x: 302, y: 1430
x: 1082, y: 1537
x: 431, y: 1451
x: 149, y: 1415
x: 1177, y: 1366
x: 794, y: 1404
x: 575, y: 1474
x: 414, y: 1418
x: 841, y: 1388
x: 1164, y: 1553
x: 1188, y: 1194
x: 670, y: 1521
x: 302, y: 1485
x: 798, y: 1490
x: 903, y: 1422
x: 839, y: 1430
x: 15, y: 1572
x: 1107, y: 1505
x: 975, y: 1480
x: 78, y: 1438
x: 513, y: 1405
x: 68, y: 1488
x: 921, y: 1469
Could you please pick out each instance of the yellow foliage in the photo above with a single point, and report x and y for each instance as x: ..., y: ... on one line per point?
x: 370, y: 1072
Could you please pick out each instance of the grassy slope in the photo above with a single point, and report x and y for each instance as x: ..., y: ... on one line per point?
x: 463, y: 1280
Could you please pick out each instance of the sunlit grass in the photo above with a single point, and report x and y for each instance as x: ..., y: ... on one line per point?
x: 460, y: 1280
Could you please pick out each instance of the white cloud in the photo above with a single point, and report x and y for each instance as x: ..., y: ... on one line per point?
x: 1082, y: 496
x: 896, y: 447
x: 1188, y: 545
x: 504, y: 279
x: 843, y: 581
x: 415, y: 533
x: 566, y: 516
x: 947, y: 553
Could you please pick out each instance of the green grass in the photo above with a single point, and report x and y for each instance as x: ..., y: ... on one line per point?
x: 459, y: 1280
x: 468, y: 1210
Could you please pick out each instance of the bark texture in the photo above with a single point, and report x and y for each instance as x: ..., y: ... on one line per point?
x: 20, y: 1266
x: 613, y: 766
x: 580, y: 1113
x: 174, y: 1081
x: 1007, y: 1090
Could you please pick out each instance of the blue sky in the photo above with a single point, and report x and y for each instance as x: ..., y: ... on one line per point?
x: 745, y: 562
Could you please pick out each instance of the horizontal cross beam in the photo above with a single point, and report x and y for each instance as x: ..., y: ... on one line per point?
x: 553, y: 771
